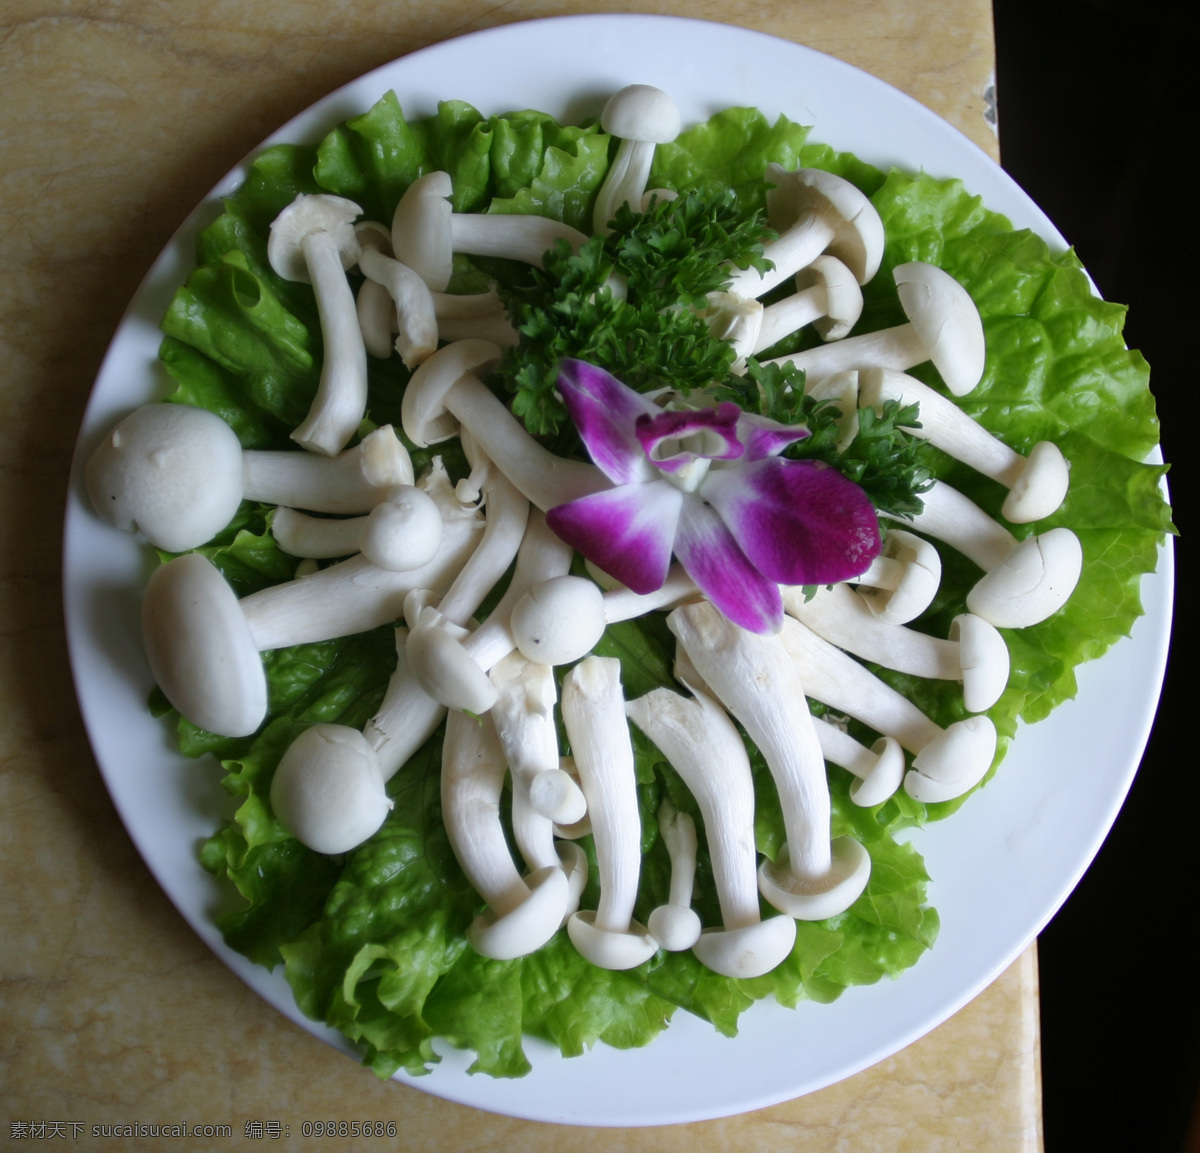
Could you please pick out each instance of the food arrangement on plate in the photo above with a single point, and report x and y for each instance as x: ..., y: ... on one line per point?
x: 609, y: 444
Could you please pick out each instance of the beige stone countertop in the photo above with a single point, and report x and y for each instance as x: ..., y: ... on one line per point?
x: 115, y: 120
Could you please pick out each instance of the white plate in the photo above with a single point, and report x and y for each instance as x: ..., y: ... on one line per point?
x: 1000, y: 867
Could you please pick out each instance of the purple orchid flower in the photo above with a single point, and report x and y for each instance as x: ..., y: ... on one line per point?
x: 709, y: 486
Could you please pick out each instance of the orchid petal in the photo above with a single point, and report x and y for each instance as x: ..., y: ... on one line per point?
x: 764, y: 437
x: 605, y: 412
x: 799, y: 522
x: 627, y: 531
x: 709, y: 432
x: 707, y: 550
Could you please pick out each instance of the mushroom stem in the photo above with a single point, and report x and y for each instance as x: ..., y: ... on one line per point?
x: 444, y: 394
x: 943, y: 327
x: 341, y: 398
x: 704, y: 747
x: 1037, y: 483
x: 754, y: 678
x: 593, y: 711
x: 510, y: 237
x: 354, y: 481
x: 814, y: 877
x: 846, y: 620
x: 794, y: 249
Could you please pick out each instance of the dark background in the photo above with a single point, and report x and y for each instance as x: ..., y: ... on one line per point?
x: 1098, y: 122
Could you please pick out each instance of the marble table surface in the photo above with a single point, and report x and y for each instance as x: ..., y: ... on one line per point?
x: 115, y: 119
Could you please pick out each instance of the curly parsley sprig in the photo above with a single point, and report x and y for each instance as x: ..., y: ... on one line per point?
x: 883, y: 458
x: 669, y: 257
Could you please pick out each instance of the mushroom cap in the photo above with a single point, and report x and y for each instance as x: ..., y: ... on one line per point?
x: 530, y: 925
x: 421, y: 229
x: 304, y: 217
x: 372, y: 234
x: 814, y: 900
x: 984, y: 658
x: 641, y: 112
x: 946, y: 321
x: 919, y: 584
x: 751, y: 951
x: 858, y: 237
x: 608, y: 949
x: 559, y: 620
x: 444, y: 669
x: 954, y: 762
x: 404, y: 532
x: 1041, y: 487
x: 555, y: 795
x: 884, y: 778
x: 328, y: 789
x: 200, y: 648
x: 423, y: 412
x: 172, y: 471
x: 674, y: 927
x: 843, y: 296
x: 1031, y: 583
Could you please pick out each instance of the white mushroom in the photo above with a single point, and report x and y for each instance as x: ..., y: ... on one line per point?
x: 756, y: 679
x: 522, y: 914
x: 901, y: 582
x: 879, y: 770
x: 675, y: 925
x: 814, y: 212
x: 703, y: 745
x: 1037, y: 483
x: 593, y: 711
x: 412, y: 302
x: 956, y: 758
x: 312, y: 240
x: 177, y: 474
x: 400, y: 533
x: 641, y: 117
x: 975, y: 653
x: 1025, y: 581
x: 943, y: 327
x: 827, y: 296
